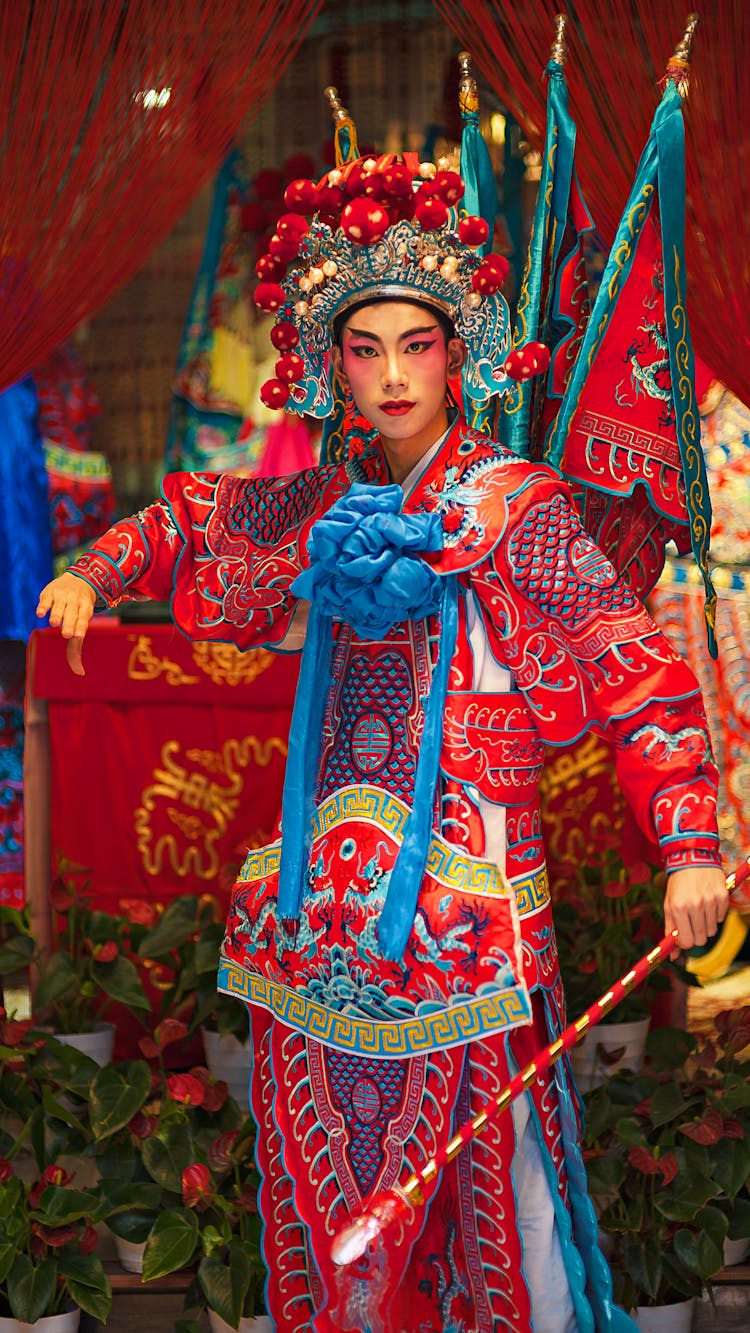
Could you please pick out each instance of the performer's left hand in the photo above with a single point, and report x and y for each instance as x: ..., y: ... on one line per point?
x: 695, y: 904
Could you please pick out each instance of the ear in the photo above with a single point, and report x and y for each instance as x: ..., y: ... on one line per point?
x: 456, y: 356
x: 337, y: 361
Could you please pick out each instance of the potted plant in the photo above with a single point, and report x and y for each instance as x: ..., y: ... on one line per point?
x: 607, y: 915
x: 148, y: 1125
x: 218, y: 1227
x: 666, y: 1155
x: 186, y: 941
x: 87, y: 970
x: 47, y: 1262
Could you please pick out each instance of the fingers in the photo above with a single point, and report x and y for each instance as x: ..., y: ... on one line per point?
x: 70, y: 602
x: 74, y: 654
x: 695, y: 905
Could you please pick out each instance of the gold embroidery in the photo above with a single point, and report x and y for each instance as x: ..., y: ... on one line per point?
x: 199, y: 805
x: 144, y: 665
x: 226, y: 665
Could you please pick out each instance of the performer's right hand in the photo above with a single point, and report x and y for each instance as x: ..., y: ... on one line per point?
x: 70, y: 602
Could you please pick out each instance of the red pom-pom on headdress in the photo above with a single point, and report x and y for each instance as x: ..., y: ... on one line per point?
x: 299, y: 196
x: 290, y: 368
x: 284, y: 247
x: 291, y: 224
x: 473, y: 230
x: 269, y: 296
x: 364, y: 221
x: 446, y: 185
x: 490, y: 275
x: 431, y: 213
x: 253, y: 217
x: 274, y: 394
x: 269, y: 268
x: 285, y: 336
x: 267, y: 183
x: 524, y: 362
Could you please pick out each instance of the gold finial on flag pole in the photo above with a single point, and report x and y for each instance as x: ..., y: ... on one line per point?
x: 559, y: 51
x: 678, y: 68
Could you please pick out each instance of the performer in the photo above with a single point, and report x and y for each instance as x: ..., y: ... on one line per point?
x: 396, y: 946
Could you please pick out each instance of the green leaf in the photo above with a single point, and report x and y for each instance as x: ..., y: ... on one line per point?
x: 133, y: 1226
x: 698, y: 1251
x: 642, y: 1262
x: 225, y: 1286
x: 177, y: 923
x: 60, y: 1205
x: 605, y: 1174
x: 686, y: 1198
x: 120, y: 981
x: 667, y: 1104
x: 166, y: 1158
x: 730, y: 1164
x: 87, y: 1284
x: 58, y: 979
x: 669, y: 1048
x: 31, y: 1289
x: 738, y: 1213
x: 171, y: 1245
x: 16, y: 954
x: 117, y: 1094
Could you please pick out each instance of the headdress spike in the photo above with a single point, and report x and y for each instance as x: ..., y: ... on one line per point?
x: 678, y: 68
x: 345, y: 131
x: 559, y: 50
x: 468, y: 96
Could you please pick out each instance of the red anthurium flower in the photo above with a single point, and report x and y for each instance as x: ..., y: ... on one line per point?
x: 588, y: 966
x: 169, y: 1030
x: 6, y: 1170
x: 669, y: 1166
x: 13, y: 1033
x: 615, y: 889
x: 56, y: 1237
x: 734, y: 1129
x: 215, y: 1090
x: 138, y: 911
x: 60, y: 896
x: 89, y: 1240
x: 106, y: 952
x: 141, y: 1126
x: 247, y: 1198
x: 639, y: 873
x: 220, y: 1151
x: 51, y: 1175
x: 196, y: 1184
x: 709, y: 1129
x: 642, y: 1160
x: 186, y: 1089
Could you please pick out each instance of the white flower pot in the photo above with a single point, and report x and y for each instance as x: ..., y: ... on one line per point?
x: 627, y: 1040
x: 51, y: 1323
x: 130, y: 1254
x: 98, y: 1044
x: 665, y: 1318
x: 229, y: 1058
x: 259, y: 1323
x: 735, y: 1251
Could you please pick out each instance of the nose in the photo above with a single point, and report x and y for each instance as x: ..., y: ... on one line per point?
x: 394, y: 371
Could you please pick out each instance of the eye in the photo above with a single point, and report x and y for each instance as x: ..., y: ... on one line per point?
x: 365, y: 351
x: 419, y: 345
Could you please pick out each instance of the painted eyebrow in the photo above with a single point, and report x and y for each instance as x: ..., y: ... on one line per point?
x: 410, y: 333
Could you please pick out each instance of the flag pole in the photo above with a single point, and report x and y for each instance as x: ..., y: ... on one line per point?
x: 386, y: 1207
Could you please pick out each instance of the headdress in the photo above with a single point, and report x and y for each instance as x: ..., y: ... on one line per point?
x: 379, y: 227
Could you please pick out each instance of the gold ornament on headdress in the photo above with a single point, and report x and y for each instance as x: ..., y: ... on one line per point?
x: 345, y: 131
x: 678, y: 68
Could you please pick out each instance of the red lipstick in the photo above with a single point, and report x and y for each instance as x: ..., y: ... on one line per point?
x: 396, y: 408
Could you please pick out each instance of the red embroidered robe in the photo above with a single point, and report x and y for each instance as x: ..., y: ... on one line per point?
x: 363, y: 1066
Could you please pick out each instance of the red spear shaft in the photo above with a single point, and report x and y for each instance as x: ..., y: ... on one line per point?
x: 352, y: 1240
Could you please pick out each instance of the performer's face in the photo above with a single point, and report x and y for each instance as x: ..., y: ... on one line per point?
x: 395, y: 358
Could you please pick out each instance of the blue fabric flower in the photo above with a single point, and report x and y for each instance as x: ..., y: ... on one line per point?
x: 365, y: 566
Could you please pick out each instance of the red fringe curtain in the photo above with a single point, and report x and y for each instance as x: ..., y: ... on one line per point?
x: 112, y: 118
x: 617, y: 55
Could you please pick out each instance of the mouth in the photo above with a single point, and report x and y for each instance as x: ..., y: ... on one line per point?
x: 397, y: 408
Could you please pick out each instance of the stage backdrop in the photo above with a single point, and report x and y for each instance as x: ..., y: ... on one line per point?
x: 166, y: 760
